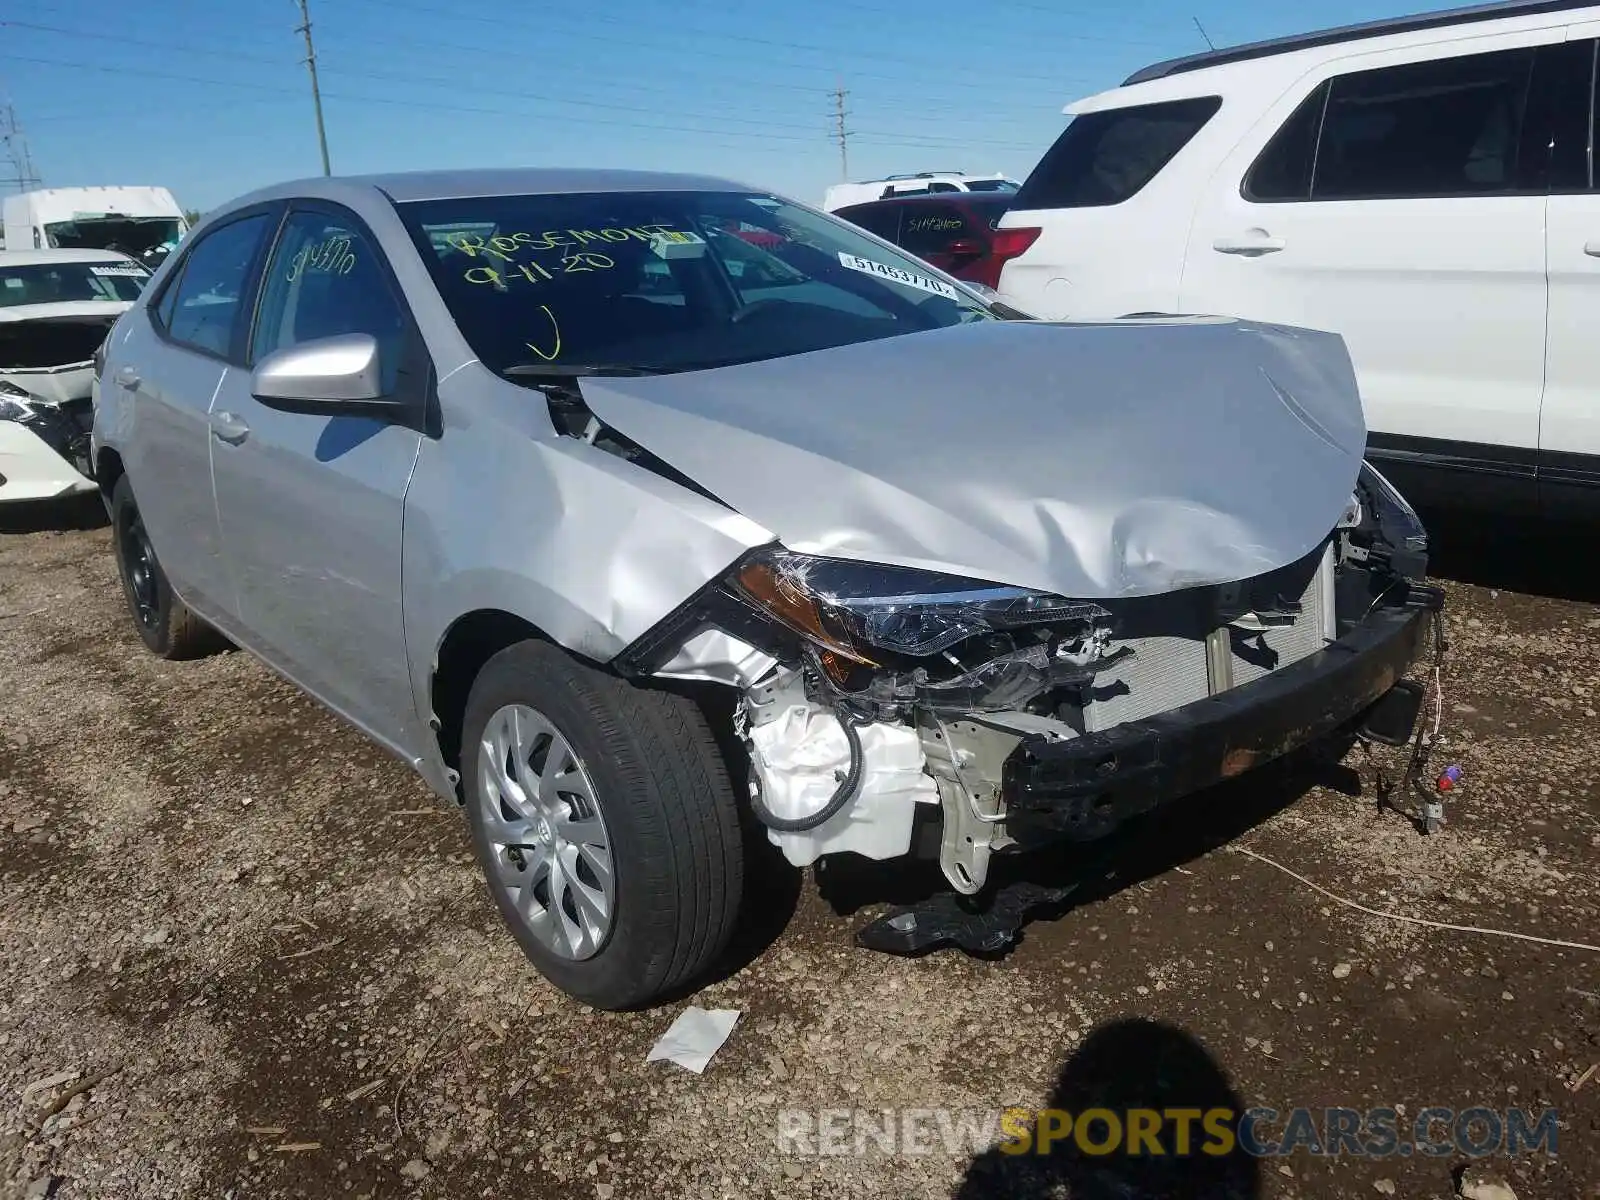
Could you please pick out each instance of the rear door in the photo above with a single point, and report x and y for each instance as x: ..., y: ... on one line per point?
x: 1569, y: 426
x: 1401, y: 204
x: 311, y: 505
x: 174, y: 362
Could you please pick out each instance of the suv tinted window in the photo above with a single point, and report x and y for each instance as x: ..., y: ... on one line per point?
x: 928, y: 228
x: 883, y: 220
x: 210, y: 294
x: 1104, y: 158
x: 1447, y: 127
x: 326, y: 278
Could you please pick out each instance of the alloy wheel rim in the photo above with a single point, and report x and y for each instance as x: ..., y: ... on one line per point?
x: 549, y: 846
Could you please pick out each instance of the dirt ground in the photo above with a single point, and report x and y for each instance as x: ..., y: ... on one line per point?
x: 245, y: 954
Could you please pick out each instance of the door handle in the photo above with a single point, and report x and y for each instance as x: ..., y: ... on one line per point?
x: 127, y: 377
x: 1257, y: 241
x: 229, y: 428
x: 1592, y: 249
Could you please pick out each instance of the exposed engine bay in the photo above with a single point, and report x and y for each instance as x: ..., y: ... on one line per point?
x: 888, y: 713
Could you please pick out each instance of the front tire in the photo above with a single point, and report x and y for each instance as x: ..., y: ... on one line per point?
x: 604, y: 822
x: 164, y: 622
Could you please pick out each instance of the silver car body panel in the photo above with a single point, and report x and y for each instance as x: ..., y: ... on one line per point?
x: 1091, y: 461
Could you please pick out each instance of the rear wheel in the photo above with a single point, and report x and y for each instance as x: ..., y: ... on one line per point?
x: 604, y: 822
x: 163, y: 621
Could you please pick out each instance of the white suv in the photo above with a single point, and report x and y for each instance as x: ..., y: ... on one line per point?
x: 1424, y: 187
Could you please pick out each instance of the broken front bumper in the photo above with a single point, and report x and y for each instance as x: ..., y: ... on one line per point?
x: 46, y: 454
x: 1083, y: 787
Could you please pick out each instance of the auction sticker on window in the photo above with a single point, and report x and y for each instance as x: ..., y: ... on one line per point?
x: 135, y: 272
x: 895, y: 275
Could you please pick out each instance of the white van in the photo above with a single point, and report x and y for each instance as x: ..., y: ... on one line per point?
x: 144, y: 223
x: 1424, y: 187
x: 841, y: 195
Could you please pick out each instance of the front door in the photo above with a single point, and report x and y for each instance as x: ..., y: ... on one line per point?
x: 311, y: 506
x: 1569, y: 431
x: 1402, y: 206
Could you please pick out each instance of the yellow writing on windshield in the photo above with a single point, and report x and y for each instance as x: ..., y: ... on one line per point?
x: 555, y: 330
x: 512, y: 272
x: 505, y: 246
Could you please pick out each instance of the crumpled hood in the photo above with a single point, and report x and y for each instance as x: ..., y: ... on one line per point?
x: 1089, y: 460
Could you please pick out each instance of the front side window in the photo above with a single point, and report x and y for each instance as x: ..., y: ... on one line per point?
x: 1446, y: 127
x: 1104, y: 158
x: 55, y: 283
x: 209, y: 306
x: 668, y: 281
x: 326, y: 279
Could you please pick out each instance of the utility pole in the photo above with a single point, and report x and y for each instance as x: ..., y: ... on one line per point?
x: 841, y: 134
x: 21, y: 174
x: 316, y: 92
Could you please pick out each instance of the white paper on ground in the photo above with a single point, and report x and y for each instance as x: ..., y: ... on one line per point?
x: 694, y: 1037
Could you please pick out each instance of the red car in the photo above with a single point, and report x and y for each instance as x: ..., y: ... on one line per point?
x: 952, y: 231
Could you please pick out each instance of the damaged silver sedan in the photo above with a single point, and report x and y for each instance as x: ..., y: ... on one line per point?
x: 627, y: 507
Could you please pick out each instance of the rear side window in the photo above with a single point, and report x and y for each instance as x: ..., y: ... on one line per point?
x: 210, y: 303
x: 929, y: 228
x: 1103, y: 158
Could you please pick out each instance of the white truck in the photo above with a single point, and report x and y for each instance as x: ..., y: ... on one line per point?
x: 144, y: 223
x: 840, y: 195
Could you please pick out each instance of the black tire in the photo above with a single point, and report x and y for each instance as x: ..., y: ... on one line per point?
x: 662, y: 788
x: 164, y: 623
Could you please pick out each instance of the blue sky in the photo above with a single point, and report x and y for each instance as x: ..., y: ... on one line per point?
x: 211, y: 99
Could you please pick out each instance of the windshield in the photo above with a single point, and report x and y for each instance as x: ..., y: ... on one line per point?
x: 53, y: 283
x: 147, y: 238
x: 668, y: 281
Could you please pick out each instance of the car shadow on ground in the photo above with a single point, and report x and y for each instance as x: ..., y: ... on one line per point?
x: 1141, y: 849
x: 1538, y: 558
x: 1130, y: 1064
x: 83, y: 511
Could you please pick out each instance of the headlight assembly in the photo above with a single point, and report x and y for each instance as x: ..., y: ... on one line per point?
x: 857, y: 610
x: 15, y: 404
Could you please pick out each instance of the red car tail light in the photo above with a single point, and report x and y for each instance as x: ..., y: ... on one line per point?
x: 1004, y: 245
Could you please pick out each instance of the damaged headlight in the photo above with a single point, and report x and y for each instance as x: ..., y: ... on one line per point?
x: 15, y: 404
x: 852, y: 609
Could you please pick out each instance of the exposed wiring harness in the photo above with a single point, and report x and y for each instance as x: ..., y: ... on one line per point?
x: 841, y: 794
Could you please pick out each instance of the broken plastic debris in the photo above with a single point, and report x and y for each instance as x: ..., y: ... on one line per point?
x: 694, y: 1037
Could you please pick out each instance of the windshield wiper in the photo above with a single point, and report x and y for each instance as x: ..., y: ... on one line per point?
x: 578, y: 370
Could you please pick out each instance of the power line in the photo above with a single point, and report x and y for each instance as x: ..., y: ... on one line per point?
x: 316, y: 92
x: 917, y: 139
x: 541, y: 27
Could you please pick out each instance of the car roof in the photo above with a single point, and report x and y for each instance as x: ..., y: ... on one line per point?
x: 939, y: 198
x: 1500, y: 10
x: 38, y: 258
x: 405, y: 186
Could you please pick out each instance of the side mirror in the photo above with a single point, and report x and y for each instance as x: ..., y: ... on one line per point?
x: 966, y: 247
x: 328, y: 375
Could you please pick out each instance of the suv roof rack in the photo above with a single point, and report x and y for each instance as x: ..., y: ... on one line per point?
x: 1352, y: 33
